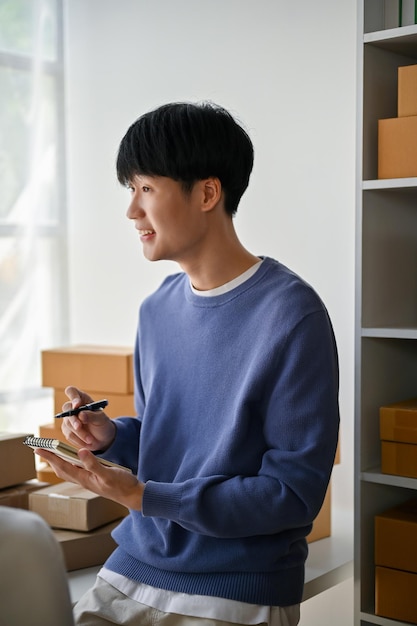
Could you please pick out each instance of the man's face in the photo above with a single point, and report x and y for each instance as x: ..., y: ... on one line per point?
x: 170, y: 222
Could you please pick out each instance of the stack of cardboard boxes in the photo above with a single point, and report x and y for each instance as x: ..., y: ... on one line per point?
x: 398, y: 433
x: 396, y: 528
x: 396, y: 562
x: 397, y: 137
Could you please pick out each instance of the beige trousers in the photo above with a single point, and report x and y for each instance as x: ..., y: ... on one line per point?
x: 103, y: 605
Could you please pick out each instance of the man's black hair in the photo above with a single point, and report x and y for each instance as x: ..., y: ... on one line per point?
x: 188, y: 142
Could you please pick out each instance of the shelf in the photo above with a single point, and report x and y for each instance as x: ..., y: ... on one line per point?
x: 371, y: 618
x: 398, y: 40
x: 390, y: 183
x: 390, y: 333
x: 375, y: 475
x: 390, y: 34
x: 329, y: 562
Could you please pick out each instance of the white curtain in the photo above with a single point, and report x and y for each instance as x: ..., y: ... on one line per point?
x: 32, y: 205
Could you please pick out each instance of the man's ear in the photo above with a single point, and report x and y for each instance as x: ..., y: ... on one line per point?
x: 211, y: 193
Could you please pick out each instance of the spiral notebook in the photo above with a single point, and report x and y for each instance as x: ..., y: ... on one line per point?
x: 64, y: 450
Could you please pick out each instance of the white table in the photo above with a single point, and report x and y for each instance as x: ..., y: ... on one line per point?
x: 330, y: 561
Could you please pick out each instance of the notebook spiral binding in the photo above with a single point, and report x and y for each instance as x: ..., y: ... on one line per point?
x: 39, y: 442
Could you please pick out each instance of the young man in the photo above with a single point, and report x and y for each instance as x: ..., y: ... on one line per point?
x: 236, y: 389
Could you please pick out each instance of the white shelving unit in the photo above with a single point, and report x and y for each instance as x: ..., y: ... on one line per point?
x: 386, y: 294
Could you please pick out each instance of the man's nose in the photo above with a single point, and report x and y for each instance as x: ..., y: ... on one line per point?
x: 134, y: 209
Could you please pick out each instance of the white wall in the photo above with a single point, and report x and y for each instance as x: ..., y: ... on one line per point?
x: 287, y: 70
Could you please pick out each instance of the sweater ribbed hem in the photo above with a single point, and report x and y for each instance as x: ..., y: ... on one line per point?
x: 282, y: 588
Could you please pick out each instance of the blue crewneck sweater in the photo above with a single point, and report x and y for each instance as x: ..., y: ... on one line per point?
x: 237, y: 402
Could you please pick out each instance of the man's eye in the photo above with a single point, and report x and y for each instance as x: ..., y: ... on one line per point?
x: 145, y: 188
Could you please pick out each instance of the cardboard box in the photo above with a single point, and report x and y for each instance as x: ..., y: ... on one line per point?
x: 337, y: 455
x: 323, y: 522
x: 396, y: 537
x: 91, y: 368
x: 399, y: 459
x: 46, y: 474
x: 407, y: 90
x: 69, y: 506
x: 17, y: 462
x: 397, y: 147
x: 395, y: 594
x: 398, y: 422
x: 119, y: 404
x: 18, y: 497
x: 51, y: 430
x: 86, y: 549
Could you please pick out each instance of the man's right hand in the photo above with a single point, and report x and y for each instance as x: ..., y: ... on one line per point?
x: 93, y: 430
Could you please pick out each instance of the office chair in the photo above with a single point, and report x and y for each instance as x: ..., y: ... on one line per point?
x: 33, y: 582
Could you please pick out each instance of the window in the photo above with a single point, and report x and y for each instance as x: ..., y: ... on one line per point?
x: 33, y: 266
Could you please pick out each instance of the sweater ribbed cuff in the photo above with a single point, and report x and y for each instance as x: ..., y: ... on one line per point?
x: 161, y: 500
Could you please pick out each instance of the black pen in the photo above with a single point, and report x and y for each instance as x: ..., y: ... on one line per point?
x: 93, y: 406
